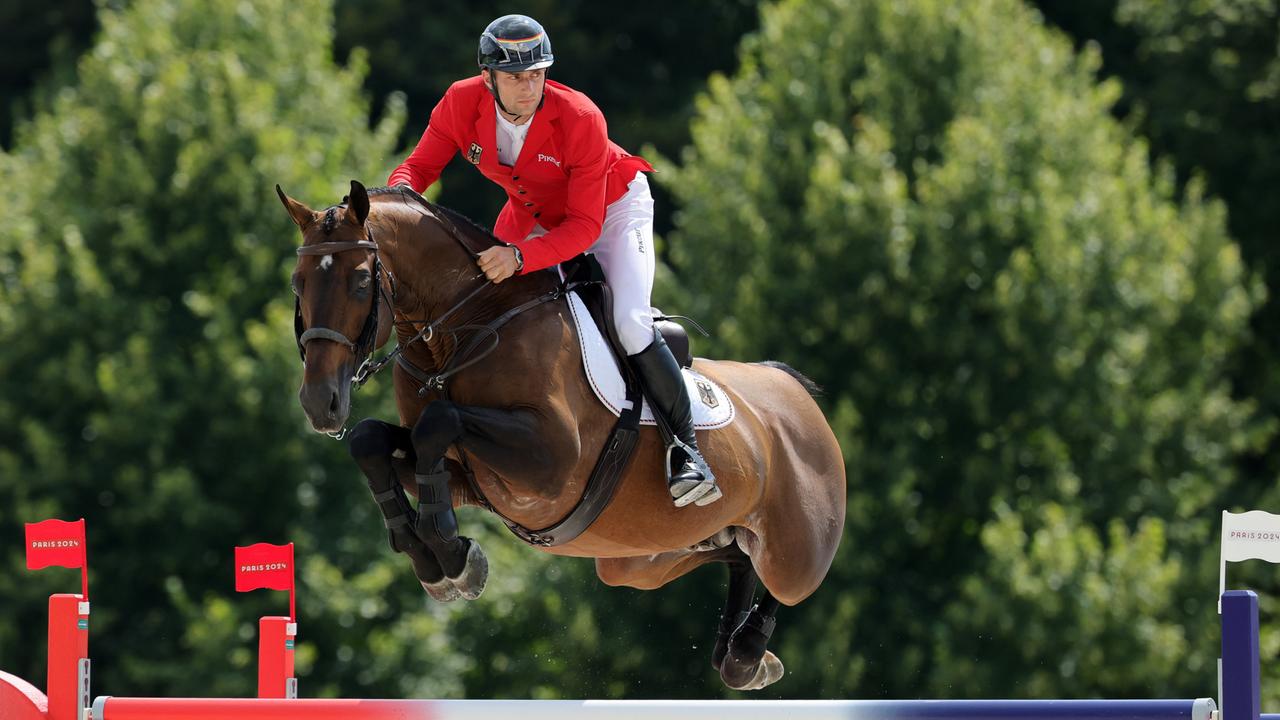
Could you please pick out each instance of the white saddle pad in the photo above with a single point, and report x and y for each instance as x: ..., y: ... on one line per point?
x: 711, y: 407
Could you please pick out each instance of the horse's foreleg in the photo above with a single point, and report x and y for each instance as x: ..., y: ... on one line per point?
x: 372, y: 445
x: 508, y: 441
x: 439, y: 426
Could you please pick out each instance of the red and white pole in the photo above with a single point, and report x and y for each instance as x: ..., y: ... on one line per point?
x: 68, y: 681
x: 276, y: 637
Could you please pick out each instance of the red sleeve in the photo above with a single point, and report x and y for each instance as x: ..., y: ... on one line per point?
x: 584, y: 204
x: 434, y: 150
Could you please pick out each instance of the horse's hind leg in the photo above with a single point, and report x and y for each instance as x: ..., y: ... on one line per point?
x: 372, y: 445
x: 742, y: 588
x: 748, y: 664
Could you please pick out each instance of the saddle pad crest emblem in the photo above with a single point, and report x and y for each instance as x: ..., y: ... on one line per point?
x: 707, y: 394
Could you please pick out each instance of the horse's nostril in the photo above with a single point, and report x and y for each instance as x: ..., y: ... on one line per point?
x: 333, y: 404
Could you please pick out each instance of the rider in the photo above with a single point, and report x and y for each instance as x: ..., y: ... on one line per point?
x: 569, y: 190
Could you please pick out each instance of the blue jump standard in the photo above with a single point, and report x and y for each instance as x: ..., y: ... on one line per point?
x: 1241, y: 676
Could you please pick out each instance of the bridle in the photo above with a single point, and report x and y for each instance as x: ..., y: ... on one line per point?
x: 362, y: 346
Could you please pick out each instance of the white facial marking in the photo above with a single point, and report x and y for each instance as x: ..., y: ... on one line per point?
x: 326, y: 262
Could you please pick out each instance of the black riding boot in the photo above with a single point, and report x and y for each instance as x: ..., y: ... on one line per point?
x: 688, y: 477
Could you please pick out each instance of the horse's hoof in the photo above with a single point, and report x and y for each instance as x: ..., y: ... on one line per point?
x: 739, y: 676
x: 770, y: 672
x: 741, y: 667
x: 475, y: 573
x: 442, y: 591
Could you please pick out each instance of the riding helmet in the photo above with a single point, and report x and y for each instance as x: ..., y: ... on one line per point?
x: 514, y: 43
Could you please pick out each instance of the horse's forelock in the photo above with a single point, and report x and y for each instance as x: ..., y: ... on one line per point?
x: 330, y: 219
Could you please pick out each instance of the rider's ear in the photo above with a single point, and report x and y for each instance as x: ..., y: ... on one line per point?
x: 357, y: 204
x: 301, y: 214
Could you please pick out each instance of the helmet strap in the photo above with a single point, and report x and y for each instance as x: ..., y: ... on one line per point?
x: 493, y: 90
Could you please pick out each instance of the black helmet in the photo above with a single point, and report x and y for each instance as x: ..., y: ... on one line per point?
x: 514, y: 43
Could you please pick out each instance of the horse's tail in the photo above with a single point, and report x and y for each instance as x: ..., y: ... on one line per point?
x: 811, y: 387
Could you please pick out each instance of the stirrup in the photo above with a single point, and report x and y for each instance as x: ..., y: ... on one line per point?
x: 702, y: 492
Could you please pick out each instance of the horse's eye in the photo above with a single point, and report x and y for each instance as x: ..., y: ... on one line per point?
x: 364, y: 283
x: 295, y: 282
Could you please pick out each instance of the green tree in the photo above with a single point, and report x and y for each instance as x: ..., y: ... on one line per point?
x: 146, y: 329
x: 1202, y: 81
x: 1024, y: 335
x: 38, y: 41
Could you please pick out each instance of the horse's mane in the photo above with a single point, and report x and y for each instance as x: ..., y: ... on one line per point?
x: 457, y: 218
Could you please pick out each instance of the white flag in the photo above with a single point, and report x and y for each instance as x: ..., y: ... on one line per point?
x: 1253, y: 535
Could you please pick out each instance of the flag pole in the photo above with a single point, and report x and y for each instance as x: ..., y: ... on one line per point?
x: 293, y: 613
x: 84, y: 562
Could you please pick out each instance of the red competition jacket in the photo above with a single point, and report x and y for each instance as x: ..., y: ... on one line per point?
x: 567, y: 172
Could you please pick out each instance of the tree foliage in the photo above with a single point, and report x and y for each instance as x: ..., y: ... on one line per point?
x: 1022, y: 329
x: 1202, y: 82
x: 146, y: 328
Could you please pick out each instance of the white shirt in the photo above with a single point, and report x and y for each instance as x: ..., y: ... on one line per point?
x: 510, y: 138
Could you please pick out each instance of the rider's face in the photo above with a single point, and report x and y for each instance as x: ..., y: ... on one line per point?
x: 520, y: 92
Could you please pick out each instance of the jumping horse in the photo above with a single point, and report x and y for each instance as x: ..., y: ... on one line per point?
x: 494, y: 406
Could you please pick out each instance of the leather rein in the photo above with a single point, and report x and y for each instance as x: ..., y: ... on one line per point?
x: 363, y: 348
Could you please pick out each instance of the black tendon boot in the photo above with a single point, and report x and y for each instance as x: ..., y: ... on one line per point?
x: 437, y: 525
x: 688, y: 477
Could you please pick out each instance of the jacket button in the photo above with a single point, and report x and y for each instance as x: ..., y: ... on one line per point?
x: 528, y: 204
x: 537, y: 214
x: 520, y: 191
x: 515, y: 177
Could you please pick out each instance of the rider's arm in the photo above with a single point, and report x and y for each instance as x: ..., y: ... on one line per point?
x: 434, y: 150
x: 584, y: 205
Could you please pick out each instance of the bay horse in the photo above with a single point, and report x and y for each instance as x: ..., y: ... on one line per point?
x: 518, y: 430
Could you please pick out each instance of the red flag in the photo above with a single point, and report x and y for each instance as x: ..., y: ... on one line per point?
x: 264, y: 566
x: 55, y: 542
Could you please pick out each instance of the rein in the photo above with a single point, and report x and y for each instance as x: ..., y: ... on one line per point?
x: 370, y: 367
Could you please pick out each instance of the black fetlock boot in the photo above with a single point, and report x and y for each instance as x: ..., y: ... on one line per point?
x: 688, y: 477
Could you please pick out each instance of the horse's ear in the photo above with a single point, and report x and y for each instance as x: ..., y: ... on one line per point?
x: 301, y: 214
x: 357, y: 204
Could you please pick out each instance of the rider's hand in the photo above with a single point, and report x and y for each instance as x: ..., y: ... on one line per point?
x: 498, y: 263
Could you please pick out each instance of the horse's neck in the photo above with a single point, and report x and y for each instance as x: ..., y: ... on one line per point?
x: 434, y: 274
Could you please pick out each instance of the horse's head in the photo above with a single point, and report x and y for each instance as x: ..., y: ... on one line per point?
x: 338, y: 282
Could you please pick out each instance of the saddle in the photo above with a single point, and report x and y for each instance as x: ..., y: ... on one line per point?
x: 584, y: 276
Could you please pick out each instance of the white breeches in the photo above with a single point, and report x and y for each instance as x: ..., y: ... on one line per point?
x: 625, y: 251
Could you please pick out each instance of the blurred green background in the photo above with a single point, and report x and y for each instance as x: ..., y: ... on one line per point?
x: 1029, y: 249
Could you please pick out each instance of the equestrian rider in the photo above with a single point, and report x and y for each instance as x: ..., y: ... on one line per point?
x: 569, y: 190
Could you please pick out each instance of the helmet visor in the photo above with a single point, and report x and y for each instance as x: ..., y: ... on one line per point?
x: 524, y: 52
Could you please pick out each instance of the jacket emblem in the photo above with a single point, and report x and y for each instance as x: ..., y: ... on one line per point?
x: 473, y: 154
